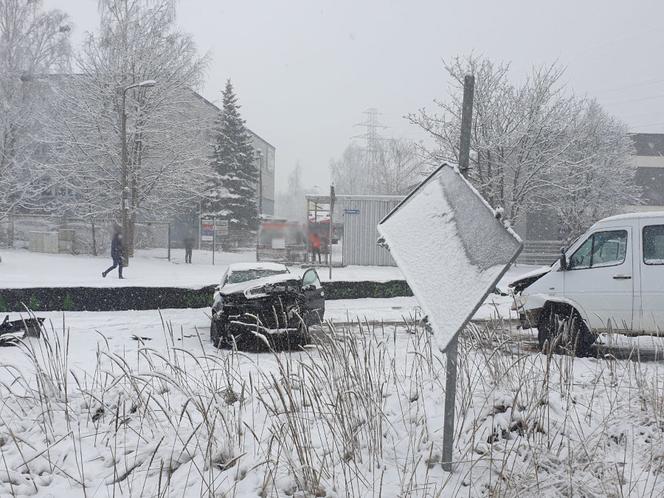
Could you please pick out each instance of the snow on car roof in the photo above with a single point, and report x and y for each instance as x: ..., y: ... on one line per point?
x: 257, y: 266
x: 272, y: 279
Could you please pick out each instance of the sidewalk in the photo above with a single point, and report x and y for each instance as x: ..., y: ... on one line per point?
x: 23, y: 269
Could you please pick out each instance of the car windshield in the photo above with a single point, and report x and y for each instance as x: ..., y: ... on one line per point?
x: 245, y: 275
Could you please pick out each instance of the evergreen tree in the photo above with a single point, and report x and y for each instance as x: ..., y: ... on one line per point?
x: 231, y: 192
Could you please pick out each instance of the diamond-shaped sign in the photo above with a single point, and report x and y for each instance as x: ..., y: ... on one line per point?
x: 452, y: 248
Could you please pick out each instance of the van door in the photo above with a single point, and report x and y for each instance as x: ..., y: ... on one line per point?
x: 652, y: 277
x: 600, y: 278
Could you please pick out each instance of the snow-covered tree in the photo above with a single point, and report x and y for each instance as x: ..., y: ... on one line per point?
x: 533, y: 144
x: 231, y: 190
x: 400, y: 166
x: 350, y: 172
x: 32, y: 42
x: 392, y: 168
x: 137, y: 41
x: 597, y: 176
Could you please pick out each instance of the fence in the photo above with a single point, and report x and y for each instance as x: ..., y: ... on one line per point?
x: 56, y: 234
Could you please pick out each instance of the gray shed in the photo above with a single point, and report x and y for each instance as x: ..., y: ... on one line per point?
x: 360, y: 214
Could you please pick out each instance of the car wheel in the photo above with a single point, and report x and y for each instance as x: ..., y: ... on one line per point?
x: 300, y: 338
x: 560, y: 328
x: 214, y: 333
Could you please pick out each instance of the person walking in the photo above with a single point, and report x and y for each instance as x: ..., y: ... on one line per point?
x: 117, y: 250
x: 188, y: 246
x: 314, y: 242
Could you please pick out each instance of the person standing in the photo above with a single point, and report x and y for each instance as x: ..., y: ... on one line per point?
x: 314, y: 242
x: 117, y: 250
x: 188, y: 246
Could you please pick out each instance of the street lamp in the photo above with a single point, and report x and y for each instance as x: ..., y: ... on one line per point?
x: 123, y: 160
x: 260, y: 182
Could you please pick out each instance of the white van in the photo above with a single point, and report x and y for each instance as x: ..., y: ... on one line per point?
x: 611, y: 278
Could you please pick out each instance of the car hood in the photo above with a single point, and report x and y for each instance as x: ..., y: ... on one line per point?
x: 528, y: 278
x: 249, y: 284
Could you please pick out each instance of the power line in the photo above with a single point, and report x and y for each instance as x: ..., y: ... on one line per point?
x: 631, y: 85
x: 638, y: 99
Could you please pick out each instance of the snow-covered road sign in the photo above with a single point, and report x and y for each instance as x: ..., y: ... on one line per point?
x: 452, y: 248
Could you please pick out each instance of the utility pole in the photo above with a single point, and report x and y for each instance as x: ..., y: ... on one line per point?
x: 466, y: 123
x: 260, y: 182
x: 451, y: 352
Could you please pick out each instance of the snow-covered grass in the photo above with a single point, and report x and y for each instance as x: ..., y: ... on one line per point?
x: 360, y: 413
x: 151, y: 268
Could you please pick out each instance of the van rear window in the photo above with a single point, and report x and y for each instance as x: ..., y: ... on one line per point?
x: 653, y: 245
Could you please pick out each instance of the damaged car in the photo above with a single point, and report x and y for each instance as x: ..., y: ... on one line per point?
x: 13, y: 331
x: 263, y: 306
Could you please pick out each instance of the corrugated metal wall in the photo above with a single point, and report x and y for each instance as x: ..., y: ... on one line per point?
x: 360, y: 215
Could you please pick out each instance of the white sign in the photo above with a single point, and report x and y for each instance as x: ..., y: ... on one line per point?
x: 451, y: 247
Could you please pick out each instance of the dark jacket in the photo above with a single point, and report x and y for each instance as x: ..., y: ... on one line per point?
x: 116, y: 247
x: 189, y: 242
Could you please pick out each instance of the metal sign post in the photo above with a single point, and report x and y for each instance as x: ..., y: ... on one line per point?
x: 451, y: 353
x: 452, y: 249
x: 329, y: 237
x: 451, y: 357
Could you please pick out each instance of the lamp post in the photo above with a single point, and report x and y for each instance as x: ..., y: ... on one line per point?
x: 123, y: 160
x: 260, y: 182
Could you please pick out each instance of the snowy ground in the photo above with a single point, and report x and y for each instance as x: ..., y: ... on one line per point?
x: 20, y: 268
x: 388, y: 310
x: 145, y: 406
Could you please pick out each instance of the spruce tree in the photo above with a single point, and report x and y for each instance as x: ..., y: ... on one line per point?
x: 232, y: 188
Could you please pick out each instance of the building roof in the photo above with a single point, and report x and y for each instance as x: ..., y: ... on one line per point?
x: 56, y: 77
x: 648, y: 144
x: 213, y: 105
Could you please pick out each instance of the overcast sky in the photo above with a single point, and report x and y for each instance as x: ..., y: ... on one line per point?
x: 305, y: 70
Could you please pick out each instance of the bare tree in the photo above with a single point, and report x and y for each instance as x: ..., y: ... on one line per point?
x: 32, y: 42
x: 350, y: 173
x: 598, y: 176
x: 400, y: 167
x: 167, y: 165
x: 527, y: 139
x: 396, y: 166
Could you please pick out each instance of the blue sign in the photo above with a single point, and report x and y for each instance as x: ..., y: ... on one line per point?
x: 351, y: 211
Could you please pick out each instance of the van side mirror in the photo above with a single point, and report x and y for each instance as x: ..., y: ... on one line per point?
x: 563, y: 259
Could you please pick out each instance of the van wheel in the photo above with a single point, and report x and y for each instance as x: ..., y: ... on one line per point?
x: 561, y: 329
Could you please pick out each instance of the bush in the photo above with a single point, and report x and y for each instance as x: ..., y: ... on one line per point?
x: 147, y: 298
